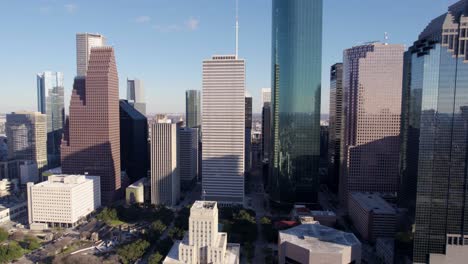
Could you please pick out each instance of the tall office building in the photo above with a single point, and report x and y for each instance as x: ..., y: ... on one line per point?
x: 165, y: 163
x: 27, y: 138
x: 296, y: 88
x: 266, y: 131
x: 266, y: 96
x: 372, y: 76
x: 136, y: 95
x: 192, y: 109
x: 248, y: 132
x: 133, y: 142
x: 91, y: 142
x: 188, y: 141
x: 223, y: 125
x: 84, y: 43
x: 50, y: 101
x: 435, y: 112
x: 335, y: 125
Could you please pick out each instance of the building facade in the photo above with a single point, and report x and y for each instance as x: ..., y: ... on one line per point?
x: 266, y: 96
x: 136, y: 95
x: 50, y: 101
x: 27, y: 138
x: 84, y: 43
x: 372, y: 76
x: 165, y: 163
x: 315, y: 243
x: 204, y: 244
x: 266, y: 131
x: 133, y: 141
x: 91, y: 142
x: 296, y: 88
x: 248, y: 132
x: 63, y: 200
x: 435, y: 112
x: 335, y: 125
x: 188, y: 141
x: 192, y: 108
x: 223, y: 126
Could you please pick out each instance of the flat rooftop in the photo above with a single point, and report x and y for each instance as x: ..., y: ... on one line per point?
x: 64, y: 181
x: 206, y: 205
x: 319, y: 238
x: 373, y: 202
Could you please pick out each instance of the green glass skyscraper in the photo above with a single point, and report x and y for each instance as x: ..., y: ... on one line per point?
x: 296, y: 82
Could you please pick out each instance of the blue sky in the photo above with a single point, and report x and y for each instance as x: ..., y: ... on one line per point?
x: 163, y: 42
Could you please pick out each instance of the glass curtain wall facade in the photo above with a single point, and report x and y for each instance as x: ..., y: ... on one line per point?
x: 50, y: 101
x: 192, y: 109
x: 435, y: 140
x: 335, y: 125
x: 296, y: 82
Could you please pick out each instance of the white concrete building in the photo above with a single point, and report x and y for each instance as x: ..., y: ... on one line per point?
x: 135, y: 192
x: 84, y: 43
x: 204, y: 244
x: 266, y: 96
x: 12, y: 208
x: 318, y: 244
x: 63, y: 200
x: 165, y: 178
x: 223, y: 125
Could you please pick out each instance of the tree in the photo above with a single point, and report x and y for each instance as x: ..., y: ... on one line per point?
x: 30, y: 243
x: 156, y: 258
x: 157, y: 229
x: 3, y: 235
x: 176, y: 233
x: 268, y: 231
x: 132, y: 252
x: 107, y: 215
x: 10, y: 252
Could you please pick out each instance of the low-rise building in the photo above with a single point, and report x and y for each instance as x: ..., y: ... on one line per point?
x: 63, y: 200
x: 315, y: 243
x: 203, y: 243
x: 135, y: 193
x: 327, y: 218
x: 12, y: 208
x: 372, y: 216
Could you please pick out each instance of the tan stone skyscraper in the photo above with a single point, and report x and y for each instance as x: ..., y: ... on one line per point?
x: 92, y: 141
x: 372, y: 79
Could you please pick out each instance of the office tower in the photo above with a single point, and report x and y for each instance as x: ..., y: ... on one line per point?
x: 266, y: 131
x: 335, y: 125
x: 296, y: 88
x: 192, y: 109
x: 91, y: 142
x: 136, y: 95
x: 188, y: 144
x: 63, y: 200
x: 165, y: 163
x: 266, y: 96
x: 50, y: 101
x: 223, y: 125
x: 84, y: 43
x: 203, y: 243
x: 27, y: 138
x: 372, y: 76
x: 248, y: 132
x: 435, y: 114
x: 133, y: 142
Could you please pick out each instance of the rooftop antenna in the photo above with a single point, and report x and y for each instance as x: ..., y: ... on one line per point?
x: 237, y: 29
x: 386, y: 38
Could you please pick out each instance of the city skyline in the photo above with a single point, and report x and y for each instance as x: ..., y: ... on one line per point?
x: 156, y: 31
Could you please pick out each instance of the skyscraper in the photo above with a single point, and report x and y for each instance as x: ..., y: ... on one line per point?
x: 296, y: 88
x: 133, y: 142
x: 435, y: 140
x: 91, y: 140
x: 84, y: 43
x: 165, y: 163
x: 372, y: 75
x: 27, y: 138
x: 136, y: 95
x: 50, y: 101
x: 223, y: 125
x: 188, y: 141
x: 266, y: 130
x: 335, y: 125
x: 192, y: 109
x: 266, y: 96
x: 248, y: 132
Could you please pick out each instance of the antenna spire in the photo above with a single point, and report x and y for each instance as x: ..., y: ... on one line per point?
x: 237, y: 28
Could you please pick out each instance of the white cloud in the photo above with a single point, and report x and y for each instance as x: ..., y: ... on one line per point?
x: 143, y: 19
x: 71, y: 8
x: 192, y: 24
